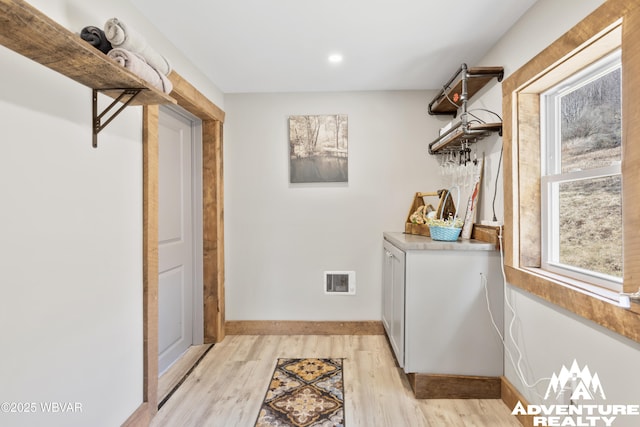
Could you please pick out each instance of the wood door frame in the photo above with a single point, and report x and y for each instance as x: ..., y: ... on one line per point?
x: 212, y: 117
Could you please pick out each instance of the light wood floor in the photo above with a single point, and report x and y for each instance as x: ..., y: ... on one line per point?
x: 227, y: 387
x: 175, y: 373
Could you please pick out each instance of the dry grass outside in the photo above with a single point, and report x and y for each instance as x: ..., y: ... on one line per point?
x: 591, y: 210
x: 583, y: 153
x: 591, y: 225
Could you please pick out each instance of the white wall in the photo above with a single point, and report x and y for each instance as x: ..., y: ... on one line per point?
x: 280, y: 237
x: 76, y: 14
x: 71, y: 249
x: 548, y: 336
x: 71, y: 237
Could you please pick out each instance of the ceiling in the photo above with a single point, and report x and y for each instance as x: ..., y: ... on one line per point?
x: 283, y: 45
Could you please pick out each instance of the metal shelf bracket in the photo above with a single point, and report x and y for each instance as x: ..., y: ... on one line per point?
x: 125, y: 97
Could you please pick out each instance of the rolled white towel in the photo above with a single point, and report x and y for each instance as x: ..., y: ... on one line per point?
x: 120, y: 35
x: 137, y: 65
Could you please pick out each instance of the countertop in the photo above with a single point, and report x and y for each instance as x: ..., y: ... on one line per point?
x: 413, y: 242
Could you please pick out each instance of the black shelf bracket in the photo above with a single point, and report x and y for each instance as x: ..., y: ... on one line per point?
x: 125, y: 97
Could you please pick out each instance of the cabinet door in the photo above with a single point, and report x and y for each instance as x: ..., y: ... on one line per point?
x: 394, y: 303
x: 448, y: 329
x: 387, y: 289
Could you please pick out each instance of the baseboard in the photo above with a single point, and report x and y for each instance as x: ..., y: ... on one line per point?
x: 511, y: 396
x: 438, y: 386
x: 294, y: 327
x: 140, y: 418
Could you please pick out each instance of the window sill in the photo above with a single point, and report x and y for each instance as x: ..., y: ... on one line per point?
x: 602, y: 308
x: 577, y: 285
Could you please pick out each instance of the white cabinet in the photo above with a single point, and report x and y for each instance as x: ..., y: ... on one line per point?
x: 393, y: 298
x: 435, y: 309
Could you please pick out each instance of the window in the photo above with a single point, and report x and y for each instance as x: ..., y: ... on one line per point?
x: 581, y: 185
x: 535, y: 164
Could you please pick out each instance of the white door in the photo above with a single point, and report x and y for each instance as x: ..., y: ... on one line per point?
x: 176, y: 225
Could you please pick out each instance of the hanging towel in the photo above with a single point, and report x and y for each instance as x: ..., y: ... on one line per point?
x: 120, y: 35
x: 137, y: 65
x: 96, y: 37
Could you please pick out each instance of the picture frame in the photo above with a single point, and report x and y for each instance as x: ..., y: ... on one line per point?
x: 318, y: 148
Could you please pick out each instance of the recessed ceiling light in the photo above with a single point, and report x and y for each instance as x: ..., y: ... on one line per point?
x: 335, y: 58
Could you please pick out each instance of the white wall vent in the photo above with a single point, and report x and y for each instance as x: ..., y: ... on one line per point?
x: 340, y: 282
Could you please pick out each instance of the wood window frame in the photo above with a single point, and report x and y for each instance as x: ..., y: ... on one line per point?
x: 521, y: 110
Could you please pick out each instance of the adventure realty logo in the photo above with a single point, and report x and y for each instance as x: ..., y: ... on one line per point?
x: 576, y: 392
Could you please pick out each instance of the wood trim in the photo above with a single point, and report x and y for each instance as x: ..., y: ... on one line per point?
x: 193, y: 101
x: 510, y: 238
x: 617, y: 319
x: 631, y: 149
x: 486, y: 233
x: 219, y: 161
x: 213, y: 231
x: 196, y: 103
x: 145, y: 412
x: 441, y: 386
x: 635, y: 307
x: 150, y: 254
x: 609, y: 12
x: 519, y: 133
x: 511, y: 396
x: 529, y: 165
x: 293, y: 327
x: 141, y: 417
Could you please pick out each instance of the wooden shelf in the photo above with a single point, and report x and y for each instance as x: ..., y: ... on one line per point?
x: 30, y: 33
x: 457, y: 135
x: 450, y: 98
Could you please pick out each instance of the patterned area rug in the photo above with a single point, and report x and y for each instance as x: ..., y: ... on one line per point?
x: 304, y: 393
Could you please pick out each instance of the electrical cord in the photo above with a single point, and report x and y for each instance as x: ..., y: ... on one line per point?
x: 475, y: 121
x: 478, y: 119
x: 495, y: 189
x: 488, y: 111
x: 514, y: 363
x: 444, y: 92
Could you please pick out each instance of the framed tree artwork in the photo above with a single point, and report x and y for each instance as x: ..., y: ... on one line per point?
x: 318, y: 148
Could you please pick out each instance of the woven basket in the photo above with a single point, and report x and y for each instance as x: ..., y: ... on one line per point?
x: 447, y: 234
